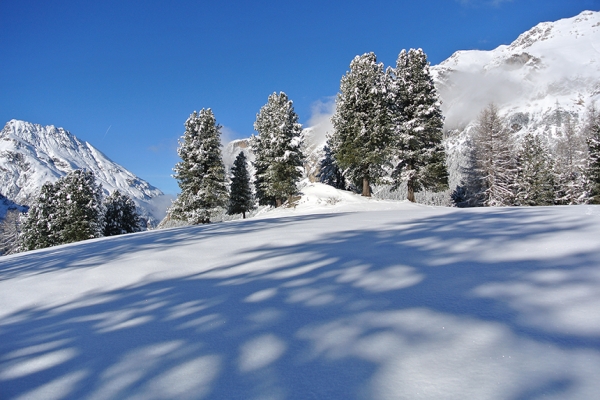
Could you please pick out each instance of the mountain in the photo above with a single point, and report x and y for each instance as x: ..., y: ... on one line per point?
x: 548, y: 74
x: 31, y: 154
x: 342, y: 297
x: 554, y: 63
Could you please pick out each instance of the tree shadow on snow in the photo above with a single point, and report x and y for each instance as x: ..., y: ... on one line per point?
x: 364, y: 313
x: 92, y: 253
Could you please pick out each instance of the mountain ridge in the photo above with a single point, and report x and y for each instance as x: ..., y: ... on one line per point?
x: 32, y: 154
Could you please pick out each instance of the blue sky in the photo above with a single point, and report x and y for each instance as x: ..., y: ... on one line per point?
x: 124, y: 75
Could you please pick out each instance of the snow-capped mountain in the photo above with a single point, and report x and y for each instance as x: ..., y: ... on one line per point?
x: 554, y: 63
x: 551, y: 70
x: 549, y: 74
x: 31, y: 154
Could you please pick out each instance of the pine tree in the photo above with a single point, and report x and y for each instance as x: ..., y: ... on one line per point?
x: 329, y: 172
x: 79, y: 212
x: 240, y: 199
x: 67, y: 211
x: 121, y: 215
x: 39, y: 228
x: 592, y: 169
x: 201, y: 173
x: 277, y: 148
x: 570, y: 166
x: 534, y: 185
x: 490, y: 180
x: 418, y: 126
x: 360, y: 142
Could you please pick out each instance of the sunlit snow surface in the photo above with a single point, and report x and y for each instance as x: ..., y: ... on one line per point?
x: 323, y: 301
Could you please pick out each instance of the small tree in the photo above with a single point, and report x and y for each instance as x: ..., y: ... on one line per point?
x: 418, y: 126
x: 534, y: 184
x: 277, y: 148
x: 360, y: 142
x: 329, y: 172
x: 240, y: 198
x: 201, y: 172
x: 121, y: 215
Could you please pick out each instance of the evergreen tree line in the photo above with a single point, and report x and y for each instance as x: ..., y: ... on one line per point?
x: 388, y: 128
x: 501, y: 172
x: 205, y: 192
x: 73, y: 209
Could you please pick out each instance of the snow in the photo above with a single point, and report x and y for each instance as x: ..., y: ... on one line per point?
x: 552, y: 62
x: 340, y: 297
x: 31, y: 154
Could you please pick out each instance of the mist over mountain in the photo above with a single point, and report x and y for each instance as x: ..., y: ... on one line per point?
x: 548, y: 75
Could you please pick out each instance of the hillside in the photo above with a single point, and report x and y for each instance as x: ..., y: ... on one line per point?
x: 31, y: 155
x: 322, y: 301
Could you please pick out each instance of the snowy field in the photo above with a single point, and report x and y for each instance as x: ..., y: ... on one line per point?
x: 340, y: 298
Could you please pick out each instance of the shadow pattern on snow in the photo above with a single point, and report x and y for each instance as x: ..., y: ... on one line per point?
x: 419, y: 308
x: 100, y: 251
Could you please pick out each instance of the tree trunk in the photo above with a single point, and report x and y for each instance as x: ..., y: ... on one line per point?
x: 411, y: 192
x: 277, y: 203
x: 243, y: 214
x: 366, y: 189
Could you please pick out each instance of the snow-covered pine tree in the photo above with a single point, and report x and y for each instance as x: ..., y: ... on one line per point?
x: 492, y: 163
x: 240, y: 199
x: 534, y: 184
x: 418, y: 126
x: 570, y: 164
x: 592, y: 168
x: 79, y: 209
x: 39, y: 228
x: 201, y: 172
x: 121, y: 215
x: 67, y: 211
x: 262, y: 159
x: 360, y: 142
x: 277, y: 148
x: 329, y: 172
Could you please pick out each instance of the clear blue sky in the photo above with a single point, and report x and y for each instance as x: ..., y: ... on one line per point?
x: 124, y: 75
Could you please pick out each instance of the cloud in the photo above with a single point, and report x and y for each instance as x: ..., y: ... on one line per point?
x: 227, y: 135
x: 320, y: 119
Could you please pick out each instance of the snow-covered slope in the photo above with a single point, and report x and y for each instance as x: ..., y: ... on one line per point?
x: 31, y: 155
x: 553, y: 65
x: 399, y: 301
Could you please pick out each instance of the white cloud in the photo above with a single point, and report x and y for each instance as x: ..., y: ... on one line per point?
x: 320, y: 119
x: 227, y: 135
